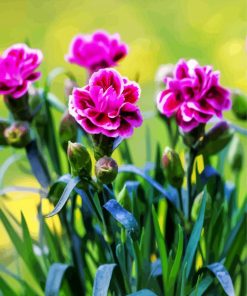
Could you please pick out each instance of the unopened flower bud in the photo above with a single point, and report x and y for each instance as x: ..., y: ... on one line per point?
x: 124, y: 199
x: 67, y: 130
x: 173, y: 167
x: 69, y: 84
x: 18, y: 134
x: 3, y: 125
x: 239, y: 104
x: 215, y: 139
x: 236, y: 155
x: 106, y: 170
x: 79, y: 159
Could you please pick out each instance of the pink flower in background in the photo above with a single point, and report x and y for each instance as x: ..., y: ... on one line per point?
x: 193, y: 95
x: 107, y: 105
x: 96, y: 51
x: 17, y: 69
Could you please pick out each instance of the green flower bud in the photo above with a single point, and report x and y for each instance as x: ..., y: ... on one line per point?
x: 3, y: 125
x: 18, y: 134
x: 67, y: 130
x: 239, y: 104
x: 173, y: 167
x: 124, y: 200
x: 236, y: 155
x: 79, y: 159
x: 215, y: 139
x: 106, y: 170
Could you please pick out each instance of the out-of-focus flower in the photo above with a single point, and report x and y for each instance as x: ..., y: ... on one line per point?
x: 106, y: 169
x: 17, y: 69
x: 96, y: 51
x: 107, y: 105
x: 194, y: 95
x: 18, y: 134
x: 162, y: 73
x: 79, y: 159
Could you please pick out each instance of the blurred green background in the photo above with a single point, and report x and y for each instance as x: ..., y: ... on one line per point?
x: 157, y: 32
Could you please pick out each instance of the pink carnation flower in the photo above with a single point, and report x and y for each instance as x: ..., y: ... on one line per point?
x: 96, y: 51
x: 193, y: 95
x: 107, y: 105
x: 17, y: 69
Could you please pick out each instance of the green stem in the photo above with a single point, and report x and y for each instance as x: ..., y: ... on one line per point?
x: 138, y: 265
x: 192, y: 156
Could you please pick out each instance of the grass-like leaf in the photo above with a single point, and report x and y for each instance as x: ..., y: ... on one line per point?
x: 162, y: 250
x: 194, y: 238
x: 144, y: 292
x: 102, y: 279
x: 124, y: 217
x: 65, y: 196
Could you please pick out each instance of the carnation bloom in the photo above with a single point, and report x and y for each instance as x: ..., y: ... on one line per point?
x: 193, y: 95
x: 96, y: 51
x: 107, y: 105
x: 17, y: 69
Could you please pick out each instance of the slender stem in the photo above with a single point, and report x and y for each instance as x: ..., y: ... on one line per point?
x: 138, y: 265
x: 192, y: 156
x: 180, y: 199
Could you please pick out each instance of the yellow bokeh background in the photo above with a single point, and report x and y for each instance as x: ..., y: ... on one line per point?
x: 157, y: 32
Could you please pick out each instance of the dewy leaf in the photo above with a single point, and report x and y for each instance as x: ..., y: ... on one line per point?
x: 38, y: 164
x: 56, y: 275
x: 156, y: 185
x: 65, y: 196
x: 102, y: 279
x: 194, y: 238
x: 223, y: 277
x: 123, y: 217
x: 144, y: 292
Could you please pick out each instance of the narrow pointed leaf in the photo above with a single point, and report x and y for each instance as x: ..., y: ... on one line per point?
x: 123, y: 217
x: 102, y: 279
x: 65, y: 196
x: 194, y: 238
x: 144, y: 292
x: 223, y: 277
x: 202, y: 287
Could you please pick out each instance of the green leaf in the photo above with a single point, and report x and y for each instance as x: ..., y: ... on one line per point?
x: 156, y: 185
x: 29, y: 290
x: 102, y: 279
x: 144, y: 292
x: 65, y: 196
x: 5, y: 289
x: 202, y: 287
x: 124, y: 217
x: 194, y: 238
x: 54, y: 102
x: 56, y: 275
x: 176, y: 265
x: 162, y: 250
x: 223, y: 277
x: 38, y: 165
x: 6, y: 164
